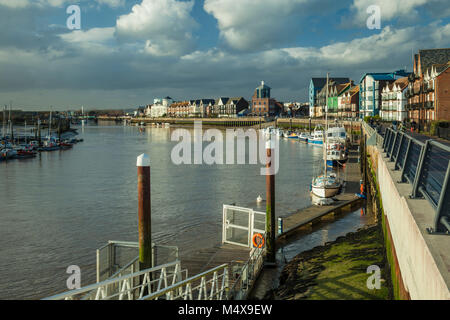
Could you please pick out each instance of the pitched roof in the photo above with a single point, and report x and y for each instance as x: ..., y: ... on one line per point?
x: 341, y: 88
x: 353, y: 90
x: 438, y: 67
x: 402, y: 82
x: 428, y: 57
x: 320, y: 82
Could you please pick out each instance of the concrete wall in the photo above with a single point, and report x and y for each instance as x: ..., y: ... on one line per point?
x: 423, y: 259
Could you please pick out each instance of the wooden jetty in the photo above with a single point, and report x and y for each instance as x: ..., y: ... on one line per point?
x: 346, y: 201
x: 205, y: 259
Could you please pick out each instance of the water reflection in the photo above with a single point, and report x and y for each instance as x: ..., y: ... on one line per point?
x: 58, y: 208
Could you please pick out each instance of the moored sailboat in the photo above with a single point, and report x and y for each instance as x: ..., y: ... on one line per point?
x: 328, y: 184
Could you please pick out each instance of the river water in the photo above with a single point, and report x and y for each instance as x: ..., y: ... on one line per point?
x: 58, y: 208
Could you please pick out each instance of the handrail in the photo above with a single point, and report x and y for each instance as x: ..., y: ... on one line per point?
x: 110, y: 281
x: 254, y: 257
x: 188, y: 281
x: 416, y: 170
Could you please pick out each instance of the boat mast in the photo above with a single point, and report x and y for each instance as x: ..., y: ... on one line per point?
x: 9, y: 122
x: 325, y: 134
x: 50, y: 125
x: 4, y: 122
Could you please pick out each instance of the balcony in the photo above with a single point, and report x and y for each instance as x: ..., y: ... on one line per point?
x: 429, y: 105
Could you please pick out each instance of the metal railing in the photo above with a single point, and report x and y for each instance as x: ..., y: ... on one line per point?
x: 128, y: 287
x: 247, y: 275
x: 122, y: 257
x: 239, y: 224
x: 209, y: 285
x: 426, y: 166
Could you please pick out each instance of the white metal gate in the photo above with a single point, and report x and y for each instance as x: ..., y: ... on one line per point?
x: 240, y: 224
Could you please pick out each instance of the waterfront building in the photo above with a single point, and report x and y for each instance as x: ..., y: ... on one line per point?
x: 335, y: 90
x: 335, y: 96
x: 139, y: 112
x: 371, y: 86
x: 148, y: 110
x: 428, y: 95
x: 229, y: 107
x: 263, y: 104
x: 315, y: 86
x: 159, y: 107
x: 349, y: 107
x: 199, y: 108
x: 394, y: 100
x: 178, y: 109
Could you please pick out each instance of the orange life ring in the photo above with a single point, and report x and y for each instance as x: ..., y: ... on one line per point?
x: 260, y: 242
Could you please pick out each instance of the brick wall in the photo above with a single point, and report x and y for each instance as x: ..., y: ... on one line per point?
x: 442, y: 99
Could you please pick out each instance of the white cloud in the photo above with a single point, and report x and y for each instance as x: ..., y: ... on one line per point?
x: 112, y: 3
x: 165, y: 26
x: 98, y: 40
x: 255, y: 24
x: 19, y: 4
x: 94, y: 35
x: 391, y: 9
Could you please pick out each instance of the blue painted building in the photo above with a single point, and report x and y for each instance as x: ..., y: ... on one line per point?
x: 371, y: 86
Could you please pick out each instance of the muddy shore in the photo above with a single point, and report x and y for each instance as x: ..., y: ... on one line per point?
x: 338, y: 270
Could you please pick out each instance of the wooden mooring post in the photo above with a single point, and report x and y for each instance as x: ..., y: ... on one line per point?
x: 144, y: 212
x: 270, y: 204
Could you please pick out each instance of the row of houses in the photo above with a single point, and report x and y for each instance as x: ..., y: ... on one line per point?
x: 261, y: 104
x: 200, y: 108
x: 422, y: 95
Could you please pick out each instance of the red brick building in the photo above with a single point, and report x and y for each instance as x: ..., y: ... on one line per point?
x: 428, y: 90
x: 262, y: 103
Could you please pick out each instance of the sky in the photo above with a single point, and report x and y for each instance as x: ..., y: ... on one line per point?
x: 128, y: 52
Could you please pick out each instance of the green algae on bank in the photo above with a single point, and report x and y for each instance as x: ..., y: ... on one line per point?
x: 337, y: 270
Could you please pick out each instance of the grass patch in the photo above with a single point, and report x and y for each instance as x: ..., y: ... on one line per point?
x: 337, y: 270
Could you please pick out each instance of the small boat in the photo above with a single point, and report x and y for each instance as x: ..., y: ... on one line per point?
x: 25, y: 154
x: 337, y: 132
x: 304, y: 137
x: 49, y: 145
x: 325, y: 186
x: 293, y: 135
x: 316, y: 136
x: 279, y: 132
x: 336, y: 152
x: 65, y: 145
x: 8, y: 153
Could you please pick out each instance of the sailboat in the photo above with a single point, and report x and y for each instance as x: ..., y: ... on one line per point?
x: 83, y: 120
x: 328, y: 184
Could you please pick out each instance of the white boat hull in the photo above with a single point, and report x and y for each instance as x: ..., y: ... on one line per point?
x: 325, y: 192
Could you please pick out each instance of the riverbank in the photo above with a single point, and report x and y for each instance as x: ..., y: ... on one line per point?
x: 337, y: 270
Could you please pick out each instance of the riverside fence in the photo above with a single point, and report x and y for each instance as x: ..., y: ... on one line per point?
x: 426, y: 166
